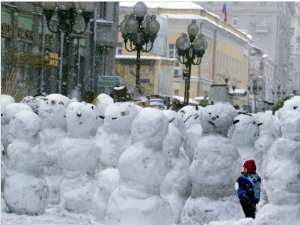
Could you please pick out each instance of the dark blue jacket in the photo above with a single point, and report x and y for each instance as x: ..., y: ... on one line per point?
x: 249, y: 187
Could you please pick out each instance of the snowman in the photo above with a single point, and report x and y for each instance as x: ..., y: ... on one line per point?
x: 176, y: 184
x: 52, y: 111
x: 3, y: 176
x: 99, y: 120
x: 8, y: 110
x: 245, y: 133
x: 102, y: 102
x: 33, y: 102
x: 79, y: 158
x: 214, y: 170
x: 142, y: 167
x: 25, y: 188
x: 191, y: 117
x: 107, y: 182
x: 269, y: 131
x: 114, y: 136
x: 5, y: 100
x: 281, y: 177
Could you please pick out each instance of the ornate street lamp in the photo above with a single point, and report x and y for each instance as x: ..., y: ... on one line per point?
x: 190, y: 50
x: 226, y: 77
x: 234, y: 84
x: 66, y: 18
x: 140, y: 30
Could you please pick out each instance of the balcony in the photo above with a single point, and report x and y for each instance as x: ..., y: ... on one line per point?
x: 262, y: 28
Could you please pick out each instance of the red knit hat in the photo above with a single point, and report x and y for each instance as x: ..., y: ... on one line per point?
x: 250, y: 166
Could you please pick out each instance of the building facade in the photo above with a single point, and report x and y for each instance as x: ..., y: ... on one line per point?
x: 269, y: 24
x: 226, y: 57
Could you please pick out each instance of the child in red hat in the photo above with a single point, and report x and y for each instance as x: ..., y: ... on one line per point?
x: 249, y: 188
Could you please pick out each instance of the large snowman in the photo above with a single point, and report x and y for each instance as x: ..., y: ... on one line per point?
x: 102, y: 101
x: 282, y: 174
x: 191, y: 118
x: 52, y: 111
x: 214, y: 170
x: 175, y: 187
x: 142, y: 167
x: 5, y: 100
x: 25, y: 188
x: 269, y: 131
x: 8, y: 110
x: 245, y: 133
x: 79, y: 158
x: 114, y: 136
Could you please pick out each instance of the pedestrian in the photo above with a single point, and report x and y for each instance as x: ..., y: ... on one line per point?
x: 249, y: 188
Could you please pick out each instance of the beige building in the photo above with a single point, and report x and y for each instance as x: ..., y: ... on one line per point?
x: 269, y: 24
x: 227, y: 54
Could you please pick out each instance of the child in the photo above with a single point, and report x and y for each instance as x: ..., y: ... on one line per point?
x: 249, y: 188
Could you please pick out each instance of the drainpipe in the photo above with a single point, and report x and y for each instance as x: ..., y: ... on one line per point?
x: 214, y: 56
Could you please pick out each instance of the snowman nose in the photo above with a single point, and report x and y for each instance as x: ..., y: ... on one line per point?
x: 79, y: 114
x: 213, y: 118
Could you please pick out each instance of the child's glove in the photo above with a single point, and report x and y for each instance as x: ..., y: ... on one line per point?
x: 253, y: 204
x: 241, y: 193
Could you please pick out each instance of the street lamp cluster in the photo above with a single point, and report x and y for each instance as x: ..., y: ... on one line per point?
x: 190, y: 50
x: 141, y: 31
x: 68, y: 16
x: 65, y: 18
x: 278, y: 91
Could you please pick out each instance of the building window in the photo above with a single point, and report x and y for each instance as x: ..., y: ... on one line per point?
x: 173, y: 54
x: 119, y: 49
x: 103, y: 10
x: 234, y: 21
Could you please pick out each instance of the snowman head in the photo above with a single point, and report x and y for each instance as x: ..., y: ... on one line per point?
x: 150, y: 126
x: 246, y: 130
x: 52, y: 111
x: 11, y: 109
x: 32, y: 102
x: 217, y: 118
x: 119, y: 117
x: 190, y: 115
x: 24, y: 126
x: 292, y: 104
x: 102, y: 102
x: 80, y: 119
x: 5, y: 100
x: 176, y: 119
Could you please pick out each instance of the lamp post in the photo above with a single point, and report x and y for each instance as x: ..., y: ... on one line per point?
x: 190, y: 50
x: 254, y: 91
x: 65, y: 18
x: 226, y: 77
x: 278, y: 92
x: 140, y: 30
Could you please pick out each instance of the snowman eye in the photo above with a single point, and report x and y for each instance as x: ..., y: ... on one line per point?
x: 295, y: 107
x: 209, y: 113
x: 217, y: 116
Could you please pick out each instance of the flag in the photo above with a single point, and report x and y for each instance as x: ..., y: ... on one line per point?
x: 224, y: 11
